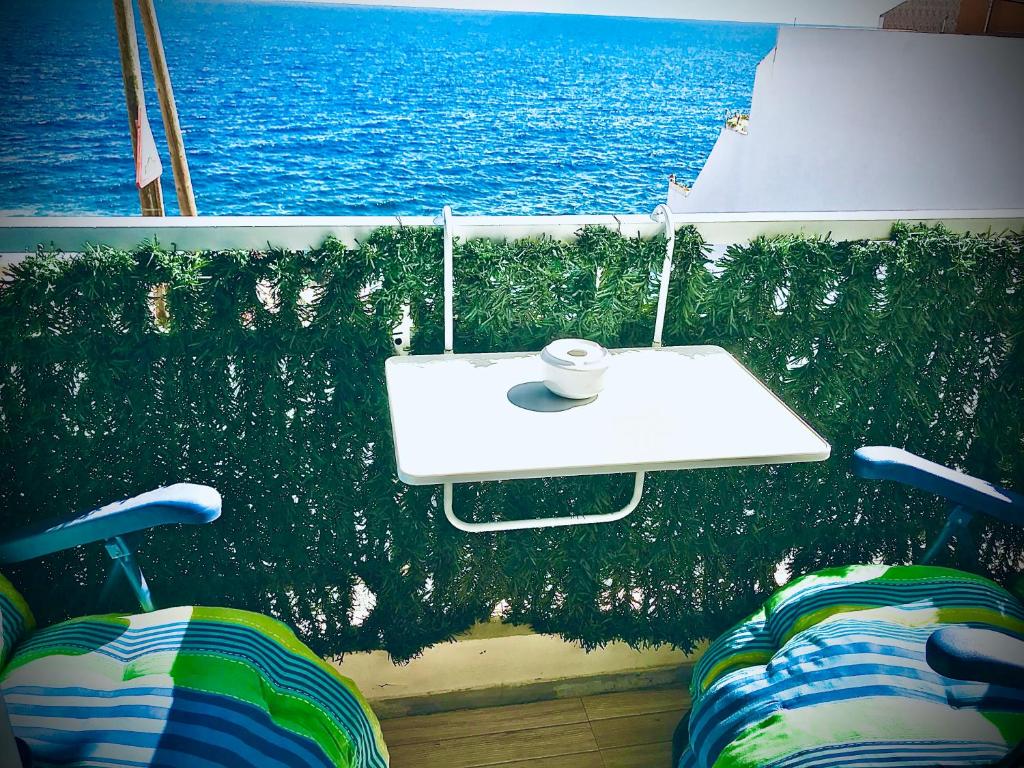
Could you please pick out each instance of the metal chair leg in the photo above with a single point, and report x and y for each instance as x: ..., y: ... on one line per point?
x: 957, y: 525
x: 124, y: 562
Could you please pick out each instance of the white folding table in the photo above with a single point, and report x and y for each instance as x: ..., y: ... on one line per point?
x: 662, y: 408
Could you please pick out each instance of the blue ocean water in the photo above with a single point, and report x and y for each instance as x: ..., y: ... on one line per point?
x: 292, y: 108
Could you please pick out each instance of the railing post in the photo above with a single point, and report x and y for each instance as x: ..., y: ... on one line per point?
x: 449, y: 281
x: 664, y: 214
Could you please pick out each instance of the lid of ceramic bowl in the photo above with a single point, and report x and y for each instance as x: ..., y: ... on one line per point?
x: 575, y: 353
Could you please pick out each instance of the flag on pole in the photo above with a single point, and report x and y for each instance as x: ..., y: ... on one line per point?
x: 147, y: 162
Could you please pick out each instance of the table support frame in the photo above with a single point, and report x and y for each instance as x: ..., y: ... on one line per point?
x: 661, y: 214
x: 541, y: 522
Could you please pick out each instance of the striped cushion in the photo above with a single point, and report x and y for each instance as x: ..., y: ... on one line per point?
x: 832, y: 672
x: 191, y: 687
x: 15, y: 619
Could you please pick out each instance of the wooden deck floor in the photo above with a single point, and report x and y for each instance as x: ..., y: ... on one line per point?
x: 615, y: 730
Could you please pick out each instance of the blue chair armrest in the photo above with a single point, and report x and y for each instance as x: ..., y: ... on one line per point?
x: 877, y: 462
x: 181, y: 503
x: 981, y: 655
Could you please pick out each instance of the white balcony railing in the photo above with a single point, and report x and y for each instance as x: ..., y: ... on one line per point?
x: 21, y: 235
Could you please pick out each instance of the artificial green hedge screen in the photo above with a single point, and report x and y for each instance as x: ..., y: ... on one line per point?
x: 263, y: 376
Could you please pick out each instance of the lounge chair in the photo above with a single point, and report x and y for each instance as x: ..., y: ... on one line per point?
x: 187, y: 686
x: 872, y: 665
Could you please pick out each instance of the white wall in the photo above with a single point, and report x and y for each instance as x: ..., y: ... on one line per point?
x: 859, y: 120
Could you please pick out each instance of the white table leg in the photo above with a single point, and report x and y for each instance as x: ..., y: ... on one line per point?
x: 541, y: 522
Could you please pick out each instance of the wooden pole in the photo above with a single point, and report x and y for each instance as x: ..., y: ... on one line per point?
x: 168, y: 109
x: 151, y: 196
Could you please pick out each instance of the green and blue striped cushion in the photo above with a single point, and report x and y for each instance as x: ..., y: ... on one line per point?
x: 15, y: 619
x: 195, y: 687
x: 832, y: 672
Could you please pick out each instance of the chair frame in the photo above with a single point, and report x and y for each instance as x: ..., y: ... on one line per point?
x: 182, y: 503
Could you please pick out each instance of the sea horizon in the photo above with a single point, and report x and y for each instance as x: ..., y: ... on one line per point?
x: 800, y: 12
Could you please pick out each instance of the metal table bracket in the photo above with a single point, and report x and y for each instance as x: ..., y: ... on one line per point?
x: 541, y: 522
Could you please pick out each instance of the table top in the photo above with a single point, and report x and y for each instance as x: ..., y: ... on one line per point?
x: 661, y: 409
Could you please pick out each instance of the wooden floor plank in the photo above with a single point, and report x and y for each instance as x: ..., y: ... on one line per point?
x: 475, y: 722
x: 628, y: 703
x: 581, y: 760
x: 652, y: 728
x: 642, y: 756
x: 496, y: 748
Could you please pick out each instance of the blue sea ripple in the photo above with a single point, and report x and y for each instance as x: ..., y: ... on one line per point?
x: 293, y: 108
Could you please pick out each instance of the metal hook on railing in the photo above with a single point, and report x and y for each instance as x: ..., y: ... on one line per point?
x: 664, y: 214
x: 445, y: 220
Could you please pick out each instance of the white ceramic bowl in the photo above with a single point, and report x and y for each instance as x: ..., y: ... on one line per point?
x: 574, y: 368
